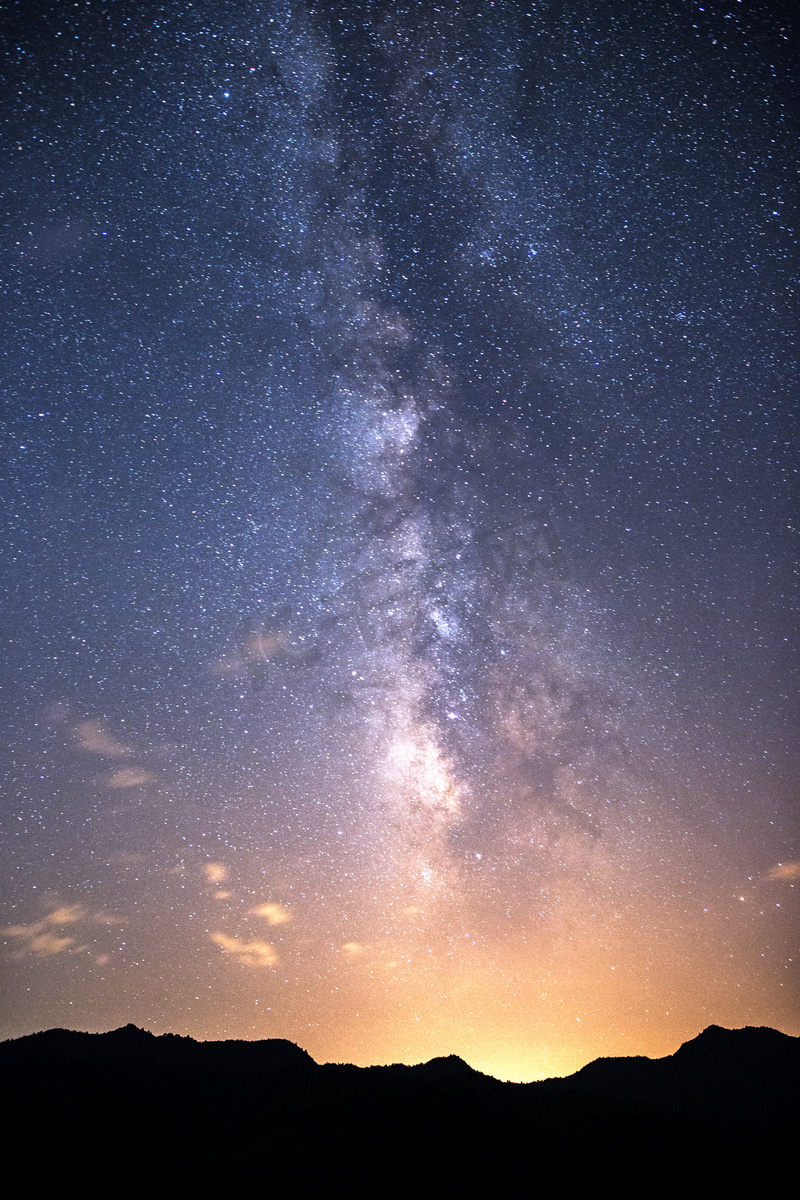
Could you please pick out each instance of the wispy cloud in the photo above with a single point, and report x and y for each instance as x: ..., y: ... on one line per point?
x: 353, y: 949
x: 40, y: 938
x: 784, y: 870
x: 129, y: 777
x: 276, y: 914
x: 249, y: 954
x: 258, y: 647
x: 216, y: 872
x: 93, y: 738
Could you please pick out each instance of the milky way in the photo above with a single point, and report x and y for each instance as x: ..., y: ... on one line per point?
x: 399, y: 465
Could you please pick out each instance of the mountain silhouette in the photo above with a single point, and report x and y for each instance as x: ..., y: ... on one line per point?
x: 86, y: 1109
x: 742, y: 1080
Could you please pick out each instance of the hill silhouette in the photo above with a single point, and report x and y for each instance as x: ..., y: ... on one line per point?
x: 96, y: 1109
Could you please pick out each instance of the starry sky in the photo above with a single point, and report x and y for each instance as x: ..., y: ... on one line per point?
x: 398, y: 486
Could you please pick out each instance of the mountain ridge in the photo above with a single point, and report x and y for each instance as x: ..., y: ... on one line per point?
x: 722, y: 1107
x: 132, y: 1037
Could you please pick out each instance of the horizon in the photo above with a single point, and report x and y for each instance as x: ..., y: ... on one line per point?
x: 401, y: 624
x: 367, y: 1066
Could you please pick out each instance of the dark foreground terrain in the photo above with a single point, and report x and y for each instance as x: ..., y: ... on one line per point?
x: 720, y: 1117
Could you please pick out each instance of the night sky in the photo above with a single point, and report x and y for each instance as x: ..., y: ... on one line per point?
x: 397, y: 475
